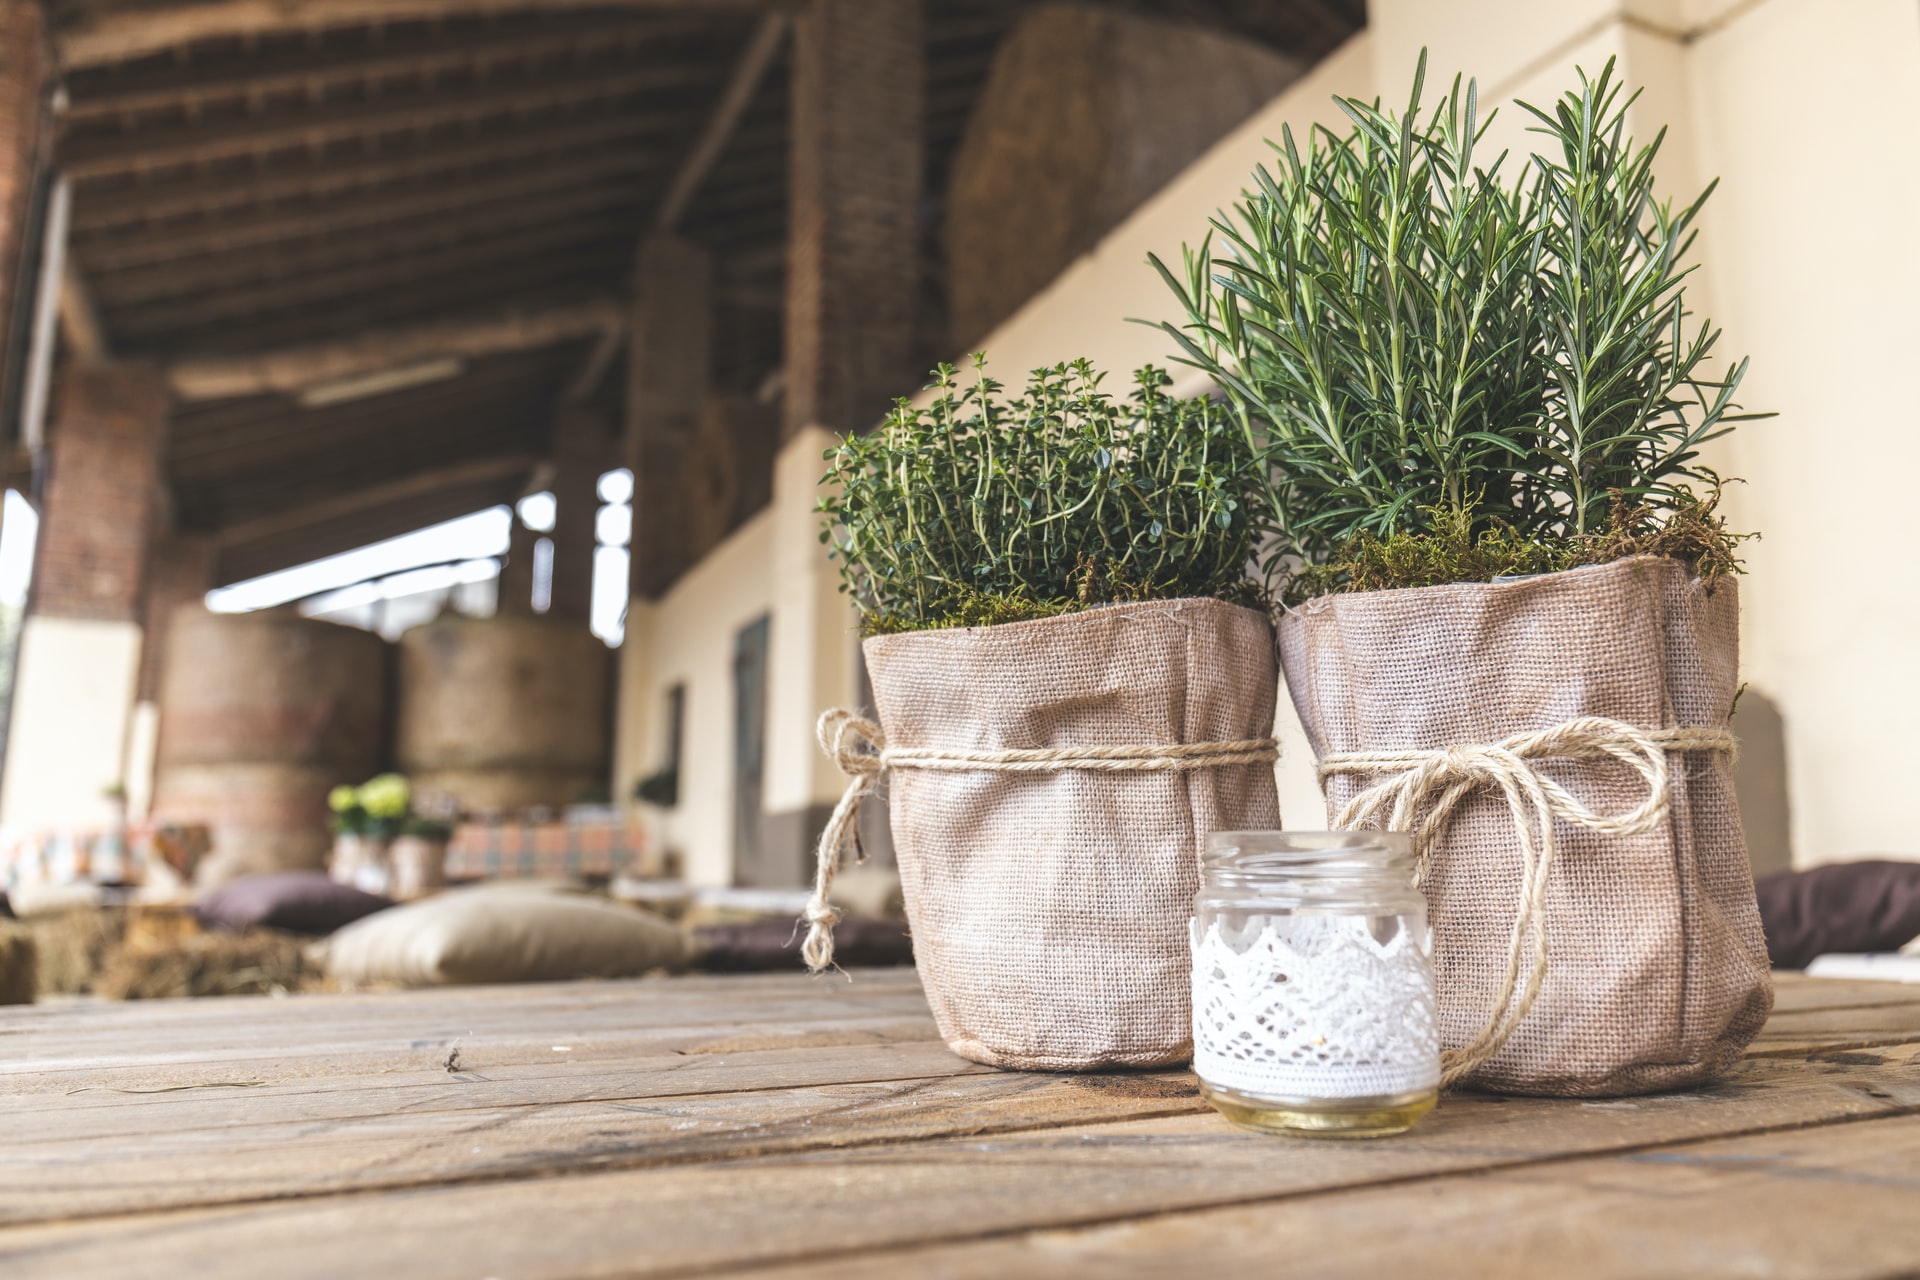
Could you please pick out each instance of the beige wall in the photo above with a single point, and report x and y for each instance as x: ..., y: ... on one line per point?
x: 72, y: 704
x: 687, y: 636
x: 1805, y: 108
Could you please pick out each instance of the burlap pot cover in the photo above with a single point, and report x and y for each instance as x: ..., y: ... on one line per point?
x: 1049, y: 910
x: 1657, y: 972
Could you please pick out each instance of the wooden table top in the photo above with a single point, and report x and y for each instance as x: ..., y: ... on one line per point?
x: 785, y: 1125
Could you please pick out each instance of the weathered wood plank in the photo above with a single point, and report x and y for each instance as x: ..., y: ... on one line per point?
x: 136, y: 1046
x: 1819, y: 1204
x: 475, y: 1074
x: 1793, y: 992
x: 826, y: 1204
x: 646, y: 1118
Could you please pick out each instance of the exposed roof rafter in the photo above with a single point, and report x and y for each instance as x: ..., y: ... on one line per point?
x: 295, y: 369
x: 109, y: 32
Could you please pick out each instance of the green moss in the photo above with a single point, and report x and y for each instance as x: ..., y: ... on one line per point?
x: 1455, y: 552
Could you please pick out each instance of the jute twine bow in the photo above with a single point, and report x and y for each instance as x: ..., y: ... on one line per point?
x: 859, y: 747
x: 1437, y: 781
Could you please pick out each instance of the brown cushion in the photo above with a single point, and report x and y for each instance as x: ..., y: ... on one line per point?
x: 296, y: 901
x: 774, y: 943
x: 500, y: 933
x: 1846, y: 907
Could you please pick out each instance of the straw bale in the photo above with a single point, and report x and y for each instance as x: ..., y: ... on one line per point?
x: 1086, y: 113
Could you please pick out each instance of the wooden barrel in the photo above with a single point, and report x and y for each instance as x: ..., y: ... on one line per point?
x: 260, y: 715
x: 499, y: 715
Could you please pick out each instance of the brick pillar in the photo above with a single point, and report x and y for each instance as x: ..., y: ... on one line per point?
x: 23, y: 98
x: 853, y: 270
x: 515, y: 597
x: 853, y: 258
x: 583, y: 448
x: 80, y: 647
x: 179, y: 572
x: 669, y: 369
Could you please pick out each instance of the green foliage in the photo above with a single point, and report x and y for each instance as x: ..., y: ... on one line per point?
x: 380, y: 806
x: 1453, y: 551
x: 1420, y: 348
x: 978, y: 509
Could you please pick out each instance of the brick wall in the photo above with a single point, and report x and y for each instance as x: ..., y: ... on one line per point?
x: 102, y: 493
x: 23, y: 72
x: 179, y: 571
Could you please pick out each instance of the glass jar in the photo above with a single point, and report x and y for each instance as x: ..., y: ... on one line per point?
x: 1313, y: 1006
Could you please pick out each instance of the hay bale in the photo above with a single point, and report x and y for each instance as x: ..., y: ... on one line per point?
x: 18, y: 981
x: 1086, y: 113
x: 72, y: 945
x: 262, y: 962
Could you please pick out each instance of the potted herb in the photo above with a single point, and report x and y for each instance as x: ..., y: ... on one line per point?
x: 367, y: 820
x: 1514, y: 624
x: 1077, y: 685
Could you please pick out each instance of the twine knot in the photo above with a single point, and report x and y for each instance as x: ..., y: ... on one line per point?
x: 859, y: 747
x: 1423, y: 788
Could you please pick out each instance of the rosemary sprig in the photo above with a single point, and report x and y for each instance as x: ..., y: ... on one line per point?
x: 1416, y: 347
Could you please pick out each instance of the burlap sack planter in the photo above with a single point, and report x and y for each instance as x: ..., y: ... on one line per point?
x: 1048, y: 900
x: 1655, y: 972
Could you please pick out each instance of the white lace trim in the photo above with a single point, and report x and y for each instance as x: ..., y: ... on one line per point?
x: 1314, y: 1006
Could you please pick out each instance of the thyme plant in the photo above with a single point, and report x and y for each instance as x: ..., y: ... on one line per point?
x: 1417, y: 347
x: 978, y: 509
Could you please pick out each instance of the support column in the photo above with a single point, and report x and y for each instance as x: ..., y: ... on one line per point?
x: 852, y: 297
x: 179, y: 572
x: 23, y: 96
x: 669, y: 372
x: 582, y: 450
x: 514, y: 596
x: 80, y: 647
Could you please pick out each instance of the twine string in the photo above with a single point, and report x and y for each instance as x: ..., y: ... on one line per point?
x: 1422, y: 789
x: 859, y: 747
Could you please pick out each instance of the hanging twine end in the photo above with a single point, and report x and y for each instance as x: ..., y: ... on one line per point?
x: 817, y: 950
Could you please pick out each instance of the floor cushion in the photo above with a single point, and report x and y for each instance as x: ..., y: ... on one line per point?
x: 1844, y: 907
x: 773, y: 943
x: 503, y: 933
x: 295, y: 901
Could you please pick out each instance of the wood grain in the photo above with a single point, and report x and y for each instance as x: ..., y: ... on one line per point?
x: 708, y: 1124
x: 1801, y: 1205
x: 702, y: 1213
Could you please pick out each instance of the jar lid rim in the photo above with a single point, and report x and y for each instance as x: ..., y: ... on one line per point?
x: 1304, y: 849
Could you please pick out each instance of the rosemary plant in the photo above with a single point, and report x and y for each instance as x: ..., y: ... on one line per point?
x: 1418, y: 348
x: 979, y: 509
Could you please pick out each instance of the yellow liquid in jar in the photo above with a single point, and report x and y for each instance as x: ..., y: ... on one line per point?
x: 1322, y: 1118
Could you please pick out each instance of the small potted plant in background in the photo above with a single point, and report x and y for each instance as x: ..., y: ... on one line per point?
x: 1076, y: 681
x: 418, y: 857
x: 366, y: 819
x: 1513, y: 622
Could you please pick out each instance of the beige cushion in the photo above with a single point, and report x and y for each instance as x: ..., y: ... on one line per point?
x: 496, y: 933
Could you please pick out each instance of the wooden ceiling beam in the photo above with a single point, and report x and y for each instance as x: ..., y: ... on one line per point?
x: 105, y: 32
x: 555, y: 279
x: 129, y: 207
x: 88, y: 156
x: 759, y: 54
x: 294, y: 369
x: 81, y: 330
x: 243, y: 304
x: 269, y: 265
x: 318, y: 74
x: 617, y: 177
x: 248, y: 441
x: 392, y: 493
